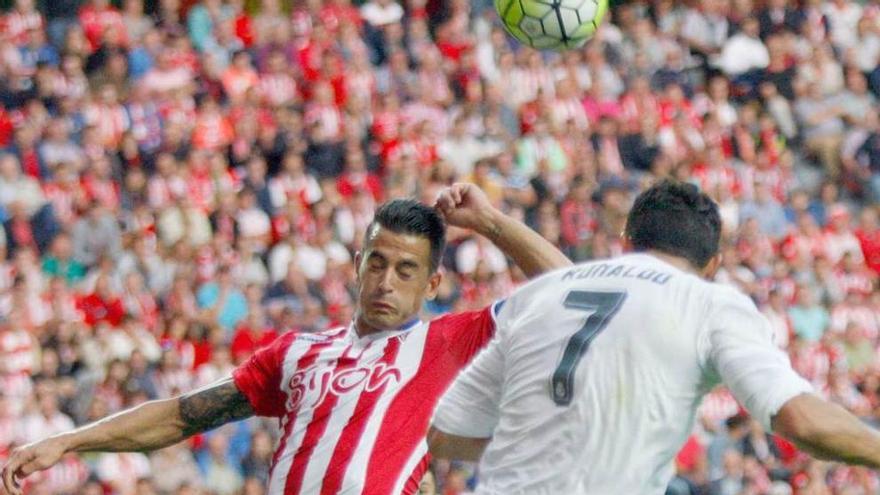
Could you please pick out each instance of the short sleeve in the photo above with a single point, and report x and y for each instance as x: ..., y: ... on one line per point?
x: 741, y: 351
x: 468, y: 332
x: 470, y: 408
x: 259, y: 378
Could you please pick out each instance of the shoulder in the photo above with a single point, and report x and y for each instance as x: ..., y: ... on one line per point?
x: 731, y: 295
x: 327, y: 335
x: 732, y: 310
x: 724, y: 296
x: 448, y: 320
x: 294, y: 337
x: 481, y: 318
x: 278, y: 350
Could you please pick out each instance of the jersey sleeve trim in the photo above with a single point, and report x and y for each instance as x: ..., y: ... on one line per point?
x: 495, y: 309
x: 259, y: 378
x: 244, y: 383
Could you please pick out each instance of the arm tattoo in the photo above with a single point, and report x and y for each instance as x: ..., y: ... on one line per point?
x: 213, y: 406
x: 494, y: 232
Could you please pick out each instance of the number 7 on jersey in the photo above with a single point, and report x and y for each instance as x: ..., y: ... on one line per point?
x: 602, y: 306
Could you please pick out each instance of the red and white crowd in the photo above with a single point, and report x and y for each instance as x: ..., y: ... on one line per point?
x: 182, y: 181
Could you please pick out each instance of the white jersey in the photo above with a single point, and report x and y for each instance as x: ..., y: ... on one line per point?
x: 594, y: 376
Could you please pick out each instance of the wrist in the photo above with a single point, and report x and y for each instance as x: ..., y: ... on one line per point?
x: 68, y: 442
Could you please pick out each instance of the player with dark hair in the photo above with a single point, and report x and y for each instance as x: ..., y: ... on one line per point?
x: 676, y: 220
x: 354, y: 403
x: 592, y: 381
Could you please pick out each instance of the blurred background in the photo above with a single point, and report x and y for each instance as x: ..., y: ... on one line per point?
x: 182, y: 181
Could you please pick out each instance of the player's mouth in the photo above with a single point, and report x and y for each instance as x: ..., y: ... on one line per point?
x: 383, y: 307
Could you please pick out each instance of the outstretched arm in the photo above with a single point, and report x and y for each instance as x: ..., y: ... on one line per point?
x: 761, y: 377
x: 152, y: 425
x: 157, y: 424
x: 827, y: 431
x: 465, y: 205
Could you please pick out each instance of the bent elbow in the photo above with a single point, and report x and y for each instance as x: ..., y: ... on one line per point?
x: 436, y: 441
x: 796, y: 421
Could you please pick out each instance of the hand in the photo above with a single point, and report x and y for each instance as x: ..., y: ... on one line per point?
x: 466, y: 206
x: 28, y: 459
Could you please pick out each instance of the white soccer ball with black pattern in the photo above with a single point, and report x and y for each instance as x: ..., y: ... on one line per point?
x: 552, y: 24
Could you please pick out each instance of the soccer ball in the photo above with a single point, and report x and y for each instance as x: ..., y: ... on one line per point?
x: 551, y: 24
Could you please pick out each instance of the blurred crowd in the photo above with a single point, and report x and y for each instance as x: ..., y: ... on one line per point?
x: 181, y: 182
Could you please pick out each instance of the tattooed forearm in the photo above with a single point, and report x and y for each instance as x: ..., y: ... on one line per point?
x: 208, y: 408
x: 160, y: 423
x: 493, y: 232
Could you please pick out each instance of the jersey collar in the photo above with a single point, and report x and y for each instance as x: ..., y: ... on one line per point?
x: 406, y: 327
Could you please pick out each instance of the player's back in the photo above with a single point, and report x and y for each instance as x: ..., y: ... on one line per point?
x: 602, y: 373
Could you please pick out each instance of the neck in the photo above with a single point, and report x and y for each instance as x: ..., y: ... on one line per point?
x: 676, y: 261
x: 362, y: 328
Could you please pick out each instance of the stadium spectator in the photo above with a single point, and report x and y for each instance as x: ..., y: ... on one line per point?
x: 809, y: 318
x: 732, y: 481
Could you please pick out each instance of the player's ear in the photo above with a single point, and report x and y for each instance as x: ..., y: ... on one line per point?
x: 358, y: 256
x: 712, y: 267
x: 433, y: 285
x: 625, y: 242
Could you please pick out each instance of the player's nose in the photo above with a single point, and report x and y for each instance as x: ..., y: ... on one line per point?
x: 386, y: 281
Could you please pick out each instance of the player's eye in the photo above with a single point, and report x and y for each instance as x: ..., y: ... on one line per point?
x: 406, y: 272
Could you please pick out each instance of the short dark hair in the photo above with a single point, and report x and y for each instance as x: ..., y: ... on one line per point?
x: 408, y: 216
x: 677, y: 219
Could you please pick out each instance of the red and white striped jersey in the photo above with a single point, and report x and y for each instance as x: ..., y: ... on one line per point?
x: 278, y: 89
x: 814, y: 361
x: 328, y: 118
x: 15, y: 25
x: 67, y: 476
x: 17, y: 348
x: 842, y: 315
x: 355, y: 410
x: 717, y: 406
x: 860, y: 281
x: 112, y: 122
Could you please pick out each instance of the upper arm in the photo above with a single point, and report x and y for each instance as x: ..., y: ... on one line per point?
x: 259, y: 378
x: 466, y: 333
x: 742, y: 352
x: 471, y: 406
x: 212, y: 406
